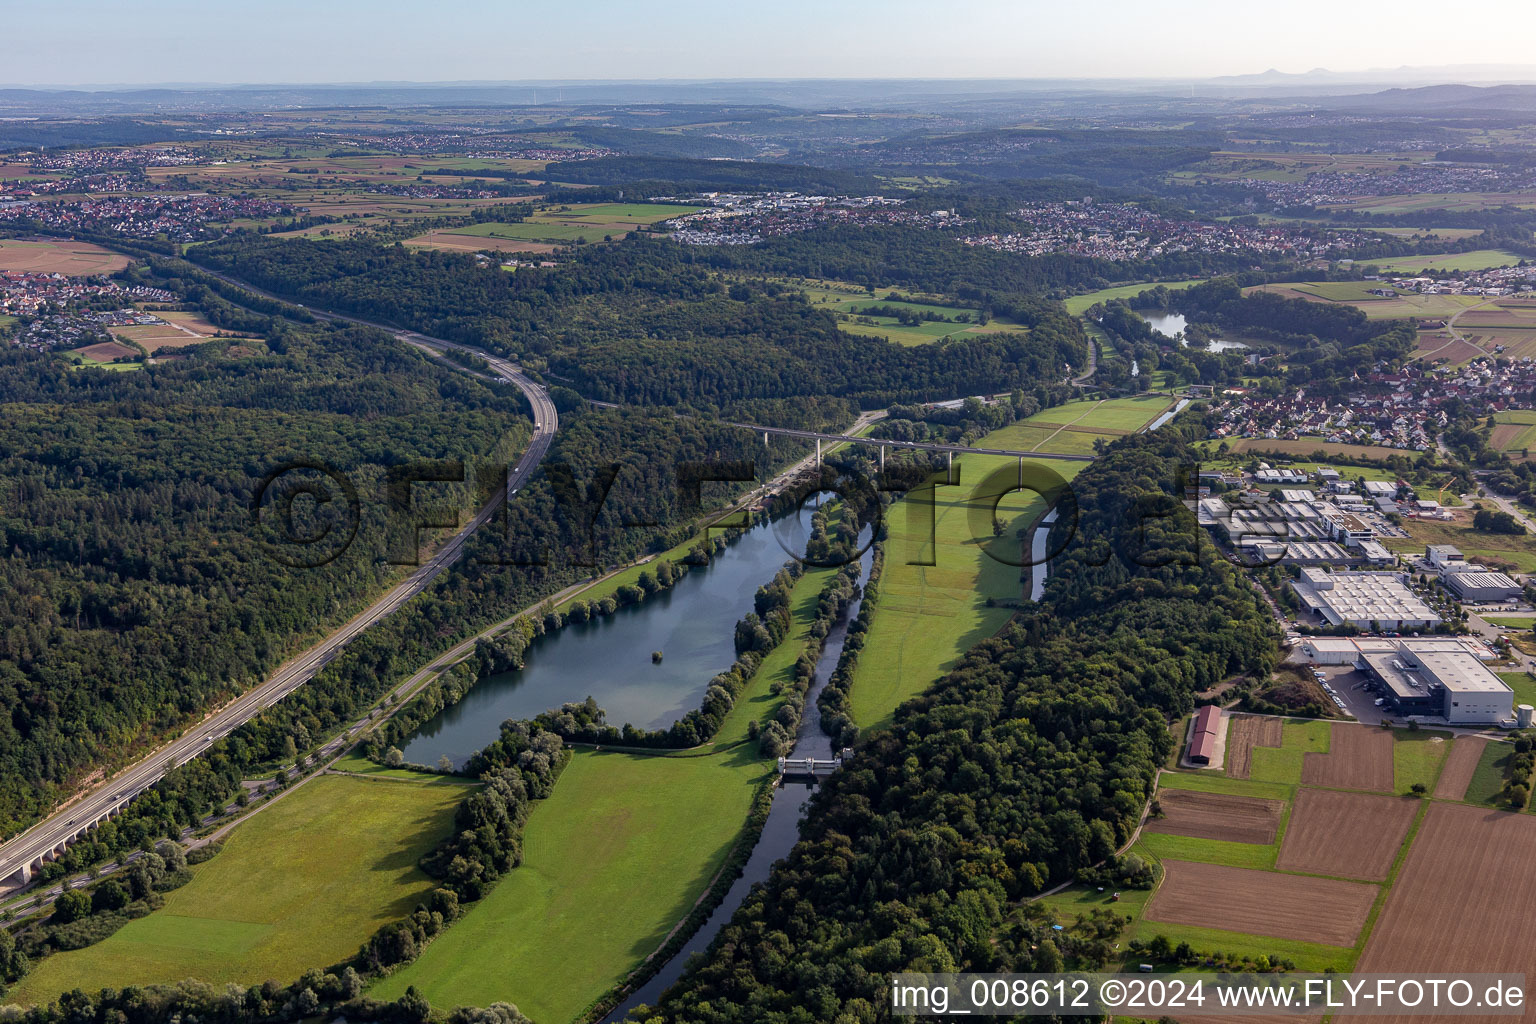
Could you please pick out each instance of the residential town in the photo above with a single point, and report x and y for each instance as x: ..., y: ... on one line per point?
x: 741, y: 219
x: 185, y: 218
x: 1122, y: 231
x: 1393, y: 410
x: 24, y: 293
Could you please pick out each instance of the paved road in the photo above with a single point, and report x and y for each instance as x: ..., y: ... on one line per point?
x: 27, y: 849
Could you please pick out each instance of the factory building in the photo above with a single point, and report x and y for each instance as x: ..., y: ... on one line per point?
x: 1434, y: 678
x: 1369, y: 600
x: 1478, y: 587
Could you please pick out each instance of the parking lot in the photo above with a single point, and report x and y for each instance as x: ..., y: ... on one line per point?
x: 1350, y: 685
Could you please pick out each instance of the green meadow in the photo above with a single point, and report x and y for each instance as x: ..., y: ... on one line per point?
x: 302, y: 884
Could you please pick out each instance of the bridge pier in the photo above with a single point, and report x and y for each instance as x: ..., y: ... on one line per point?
x: 882, y: 458
x: 765, y: 439
x: 949, y: 467
x: 818, y: 453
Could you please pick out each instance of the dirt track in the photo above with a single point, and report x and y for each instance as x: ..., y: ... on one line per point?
x: 1262, y: 902
x: 1236, y: 819
x: 1247, y: 732
x: 1460, y: 763
x: 1465, y: 900
x: 1349, y: 835
x: 1357, y: 758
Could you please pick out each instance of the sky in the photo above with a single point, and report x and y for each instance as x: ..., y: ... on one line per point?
x: 85, y: 42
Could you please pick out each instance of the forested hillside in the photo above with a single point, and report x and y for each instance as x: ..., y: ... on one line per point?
x: 1033, y: 759
x: 134, y: 590
x: 639, y: 323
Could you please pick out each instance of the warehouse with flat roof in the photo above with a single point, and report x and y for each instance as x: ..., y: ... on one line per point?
x: 1369, y: 600
x: 1441, y: 679
x: 1477, y: 587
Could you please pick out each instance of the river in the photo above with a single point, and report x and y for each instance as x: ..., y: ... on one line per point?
x: 1171, y: 325
x: 693, y: 625
x: 782, y: 829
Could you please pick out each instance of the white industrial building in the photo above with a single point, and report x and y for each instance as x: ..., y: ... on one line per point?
x: 1369, y: 600
x: 1443, y: 678
x: 1480, y: 587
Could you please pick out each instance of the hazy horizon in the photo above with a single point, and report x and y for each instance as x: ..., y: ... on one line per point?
x: 92, y: 44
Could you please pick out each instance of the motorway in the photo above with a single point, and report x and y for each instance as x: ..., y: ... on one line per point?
x: 26, y: 850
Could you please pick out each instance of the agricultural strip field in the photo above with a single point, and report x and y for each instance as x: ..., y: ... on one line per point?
x: 1460, y: 763
x: 1243, y: 734
x: 1347, y: 835
x: 1358, y: 758
x: 455, y: 242
x: 304, y: 882
x: 103, y: 352
x: 1376, y: 307
x: 1465, y: 899
x: 1477, y: 259
x: 76, y: 259
x: 1307, y: 446
x: 1233, y: 819
x: 1262, y: 902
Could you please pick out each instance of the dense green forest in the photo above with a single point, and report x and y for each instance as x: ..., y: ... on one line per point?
x: 609, y: 492
x: 134, y: 590
x: 1029, y: 762
x: 638, y: 323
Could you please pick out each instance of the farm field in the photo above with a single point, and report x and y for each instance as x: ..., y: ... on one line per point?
x: 1357, y: 758
x: 1244, y: 732
x: 1077, y: 305
x: 846, y: 301
x: 1233, y: 819
x: 304, y: 882
x: 1465, y: 899
x: 1072, y: 428
x: 1320, y: 818
x: 582, y: 221
x: 1519, y: 551
x: 59, y: 256
x: 1377, y: 307
x: 1308, y: 446
x: 1460, y: 763
x: 929, y: 615
x: 560, y: 930
x: 1321, y: 910
x: 453, y: 242
x: 1313, y: 893
x: 1476, y: 259
x: 102, y: 353
x: 1456, y: 202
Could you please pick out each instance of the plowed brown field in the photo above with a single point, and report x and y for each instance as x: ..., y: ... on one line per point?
x: 1236, y: 819
x: 1352, y: 835
x: 1465, y: 900
x: 1357, y: 758
x: 1262, y: 902
x: 1460, y: 763
x: 1245, y: 733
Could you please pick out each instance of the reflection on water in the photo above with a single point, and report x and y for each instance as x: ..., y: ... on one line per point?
x: 782, y: 829
x: 1171, y: 325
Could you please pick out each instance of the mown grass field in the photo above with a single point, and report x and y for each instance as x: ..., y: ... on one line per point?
x: 612, y: 861
x: 614, y: 858
x: 846, y: 301
x: 302, y: 884
x: 928, y: 616
x: 1079, y: 304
